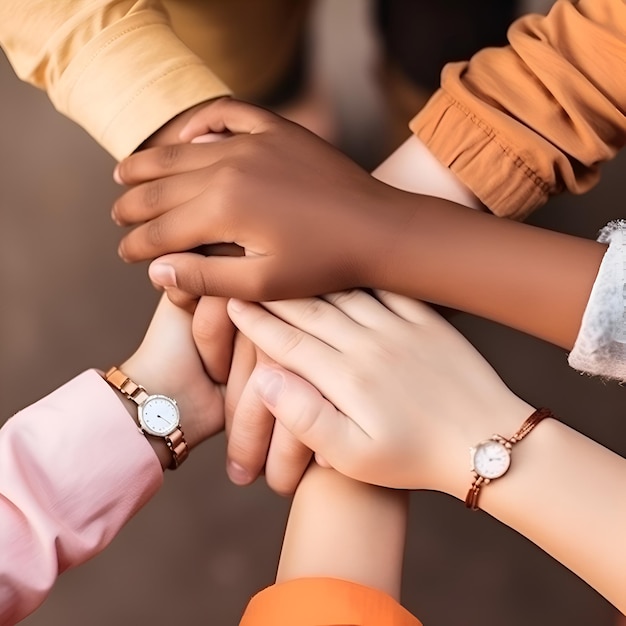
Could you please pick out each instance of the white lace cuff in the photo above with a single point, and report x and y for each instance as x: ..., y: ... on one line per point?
x: 600, y: 347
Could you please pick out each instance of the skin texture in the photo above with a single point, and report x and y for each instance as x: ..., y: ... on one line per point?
x: 354, y: 231
x: 411, y: 425
x: 311, y: 222
x: 342, y: 528
x: 168, y: 362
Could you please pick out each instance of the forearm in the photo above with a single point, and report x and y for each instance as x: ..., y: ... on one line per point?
x: 412, y: 167
x: 542, y: 280
x: 565, y: 492
x: 340, y: 528
x: 534, y: 280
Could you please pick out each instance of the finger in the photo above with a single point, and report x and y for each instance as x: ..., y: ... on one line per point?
x: 213, y: 334
x: 164, y: 161
x: 408, y: 309
x: 249, y: 438
x: 242, y: 365
x: 181, y: 299
x: 319, y: 318
x: 312, y: 419
x: 360, y: 306
x: 291, y: 347
x: 333, y: 322
x: 287, y: 459
x: 149, y: 200
x: 216, y: 275
x: 180, y: 229
x: 227, y: 115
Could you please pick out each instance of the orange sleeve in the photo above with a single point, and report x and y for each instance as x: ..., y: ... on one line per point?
x: 324, y: 602
x: 115, y: 67
x: 520, y: 123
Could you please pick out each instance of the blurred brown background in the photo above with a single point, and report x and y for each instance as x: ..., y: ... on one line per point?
x: 202, y: 546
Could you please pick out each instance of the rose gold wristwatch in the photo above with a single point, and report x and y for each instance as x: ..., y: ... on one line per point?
x: 491, y: 459
x: 158, y: 415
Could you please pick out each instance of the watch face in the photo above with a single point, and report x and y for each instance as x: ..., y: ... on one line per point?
x: 490, y: 459
x: 158, y: 415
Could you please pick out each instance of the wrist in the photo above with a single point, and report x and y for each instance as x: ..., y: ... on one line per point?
x: 504, y: 418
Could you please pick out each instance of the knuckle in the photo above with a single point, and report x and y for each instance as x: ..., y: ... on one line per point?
x: 290, y: 340
x: 312, y: 310
x: 154, y: 233
x: 343, y: 297
x: 168, y: 156
x: 153, y: 194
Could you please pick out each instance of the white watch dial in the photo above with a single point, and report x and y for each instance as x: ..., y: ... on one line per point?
x: 490, y: 459
x: 158, y: 415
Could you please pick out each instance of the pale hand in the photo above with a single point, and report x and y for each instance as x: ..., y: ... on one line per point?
x: 402, y: 394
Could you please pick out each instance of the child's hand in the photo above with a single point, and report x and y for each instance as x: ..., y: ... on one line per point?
x: 255, y: 443
x: 167, y: 362
x: 402, y: 395
x: 309, y: 219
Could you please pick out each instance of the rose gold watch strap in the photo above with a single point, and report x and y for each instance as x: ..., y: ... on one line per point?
x: 123, y: 383
x: 178, y: 447
x: 471, y: 499
x: 175, y: 441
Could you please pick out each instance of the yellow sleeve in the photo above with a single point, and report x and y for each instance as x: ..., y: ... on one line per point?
x: 116, y: 68
x: 324, y: 602
x: 520, y: 123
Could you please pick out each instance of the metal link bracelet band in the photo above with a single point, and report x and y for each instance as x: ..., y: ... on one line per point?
x: 471, y: 500
x: 175, y: 441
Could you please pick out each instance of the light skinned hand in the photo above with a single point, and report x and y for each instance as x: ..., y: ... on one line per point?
x: 309, y: 219
x: 168, y: 362
x: 384, y: 390
x: 255, y: 443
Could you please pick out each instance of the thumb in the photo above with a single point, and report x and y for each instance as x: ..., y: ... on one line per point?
x: 311, y: 418
x: 198, y: 275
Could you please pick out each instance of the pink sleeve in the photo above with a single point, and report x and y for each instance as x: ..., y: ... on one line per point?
x: 73, y: 470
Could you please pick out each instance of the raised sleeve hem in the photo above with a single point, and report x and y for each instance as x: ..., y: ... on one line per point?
x: 324, y: 602
x: 120, y: 104
x: 481, y: 158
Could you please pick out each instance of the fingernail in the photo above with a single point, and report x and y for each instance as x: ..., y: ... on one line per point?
x: 236, y: 305
x: 114, y: 217
x: 116, y: 175
x: 269, y: 383
x: 237, y: 473
x: 162, y: 274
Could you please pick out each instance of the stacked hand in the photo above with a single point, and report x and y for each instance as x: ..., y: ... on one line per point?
x: 308, y: 218
x: 384, y: 391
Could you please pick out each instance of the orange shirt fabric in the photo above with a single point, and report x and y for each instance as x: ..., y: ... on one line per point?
x: 520, y: 123
x: 516, y: 124
x: 324, y: 602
